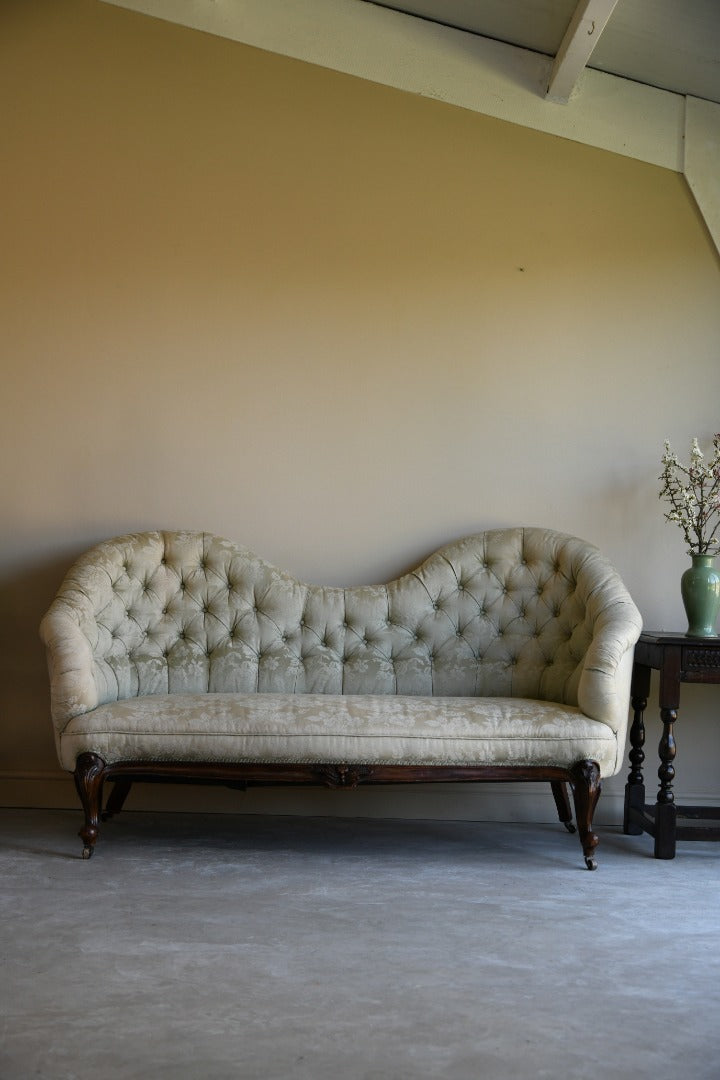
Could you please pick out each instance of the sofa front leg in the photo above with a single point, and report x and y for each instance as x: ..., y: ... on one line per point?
x: 89, y: 776
x: 586, y: 786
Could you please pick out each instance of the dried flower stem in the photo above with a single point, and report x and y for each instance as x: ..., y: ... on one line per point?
x: 693, y: 492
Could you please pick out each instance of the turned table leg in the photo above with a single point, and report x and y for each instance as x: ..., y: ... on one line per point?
x: 635, y: 786
x: 665, y: 810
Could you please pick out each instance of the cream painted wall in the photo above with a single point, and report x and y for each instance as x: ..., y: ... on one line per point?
x: 337, y: 322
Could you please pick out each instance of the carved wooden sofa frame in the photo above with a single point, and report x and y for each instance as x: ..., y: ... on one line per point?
x: 505, y: 656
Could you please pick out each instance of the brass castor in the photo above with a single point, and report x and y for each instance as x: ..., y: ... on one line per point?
x: 87, y: 852
x: 569, y: 826
x: 590, y: 863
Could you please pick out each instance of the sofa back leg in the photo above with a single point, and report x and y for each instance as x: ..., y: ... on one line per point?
x: 89, y: 777
x: 562, y: 802
x: 586, y: 786
x: 116, y: 798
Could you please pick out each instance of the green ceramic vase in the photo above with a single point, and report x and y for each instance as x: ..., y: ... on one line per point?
x: 700, y: 588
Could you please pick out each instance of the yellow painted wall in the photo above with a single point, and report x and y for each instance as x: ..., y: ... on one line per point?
x: 336, y: 322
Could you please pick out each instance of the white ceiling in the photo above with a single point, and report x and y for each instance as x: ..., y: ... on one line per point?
x: 671, y: 44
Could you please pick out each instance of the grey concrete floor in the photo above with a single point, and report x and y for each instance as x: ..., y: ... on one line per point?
x: 218, y: 946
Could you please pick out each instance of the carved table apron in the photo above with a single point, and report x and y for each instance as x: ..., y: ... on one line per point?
x: 679, y: 659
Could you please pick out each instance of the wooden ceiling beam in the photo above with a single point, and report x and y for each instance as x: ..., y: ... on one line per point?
x: 587, y: 24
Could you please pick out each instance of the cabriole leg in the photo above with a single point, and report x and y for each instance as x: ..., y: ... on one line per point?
x: 586, y: 787
x: 89, y: 776
x: 562, y: 802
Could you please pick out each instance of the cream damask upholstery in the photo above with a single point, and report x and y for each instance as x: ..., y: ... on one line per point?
x: 512, y: 647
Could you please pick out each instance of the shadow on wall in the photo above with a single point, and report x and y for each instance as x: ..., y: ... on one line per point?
x: 26, y: 737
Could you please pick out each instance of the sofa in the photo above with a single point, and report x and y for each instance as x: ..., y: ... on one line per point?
x: 182, y: 656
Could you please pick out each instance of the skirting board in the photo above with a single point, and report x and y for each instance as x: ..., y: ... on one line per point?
x: 442, y: 802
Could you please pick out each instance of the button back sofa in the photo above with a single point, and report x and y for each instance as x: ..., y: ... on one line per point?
x: 181, y: 656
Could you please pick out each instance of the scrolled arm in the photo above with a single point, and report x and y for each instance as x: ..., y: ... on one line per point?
x: 604, y: 688
x: 73, y: 689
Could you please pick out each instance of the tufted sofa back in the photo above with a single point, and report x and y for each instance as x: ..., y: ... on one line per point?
x: 504, y: 613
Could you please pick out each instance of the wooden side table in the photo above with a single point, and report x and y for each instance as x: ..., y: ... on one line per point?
x: 679, y: 659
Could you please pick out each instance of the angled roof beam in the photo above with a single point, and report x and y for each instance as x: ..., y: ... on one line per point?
x: 582, y: 35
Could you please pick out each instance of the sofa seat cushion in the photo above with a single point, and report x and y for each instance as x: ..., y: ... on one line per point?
x: 350, y: 729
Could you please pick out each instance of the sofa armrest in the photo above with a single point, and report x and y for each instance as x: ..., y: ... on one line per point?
x: 73, y: 689
x: 604, y: 687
